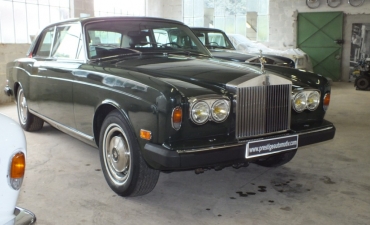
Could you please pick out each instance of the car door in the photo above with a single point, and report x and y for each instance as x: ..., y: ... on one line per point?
x: 56, y: 78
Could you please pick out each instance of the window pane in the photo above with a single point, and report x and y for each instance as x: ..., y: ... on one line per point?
x: 20, y: 22
x: 54, y: 3
x: 188, y: 8
x: 64, y: 13
x: 6, y: 22
x: 262, y: 28
x: 32, y: 20
x: 64, y: 3
x: 44, y: 16
x: 54, y: 14
x: 44, y: 2
x: 32, y: 1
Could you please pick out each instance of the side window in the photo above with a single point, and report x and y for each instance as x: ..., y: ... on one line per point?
x: 66, y: 42
x: 45, y: 43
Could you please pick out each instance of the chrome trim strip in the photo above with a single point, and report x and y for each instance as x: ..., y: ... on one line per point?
x: 242, y: 143
x: 70, y: 131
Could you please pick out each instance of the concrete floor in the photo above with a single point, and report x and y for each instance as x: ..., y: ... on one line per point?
x: 327, y: 183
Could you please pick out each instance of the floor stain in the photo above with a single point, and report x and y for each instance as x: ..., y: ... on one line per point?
x: 327, y: 180
x: 286, y: 208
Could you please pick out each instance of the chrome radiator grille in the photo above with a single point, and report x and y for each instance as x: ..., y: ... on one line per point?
x: 262, y: 110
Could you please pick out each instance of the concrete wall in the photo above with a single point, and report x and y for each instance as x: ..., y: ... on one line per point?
x: 169, y: 9
x: 283, y: 19
x: 9, y: 52
x: 283, y: 24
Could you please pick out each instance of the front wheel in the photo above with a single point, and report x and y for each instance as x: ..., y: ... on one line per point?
x: 124, y: 168
x: 28, y: 121
x: 278, y: 159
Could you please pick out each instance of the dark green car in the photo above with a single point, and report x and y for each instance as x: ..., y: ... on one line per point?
x: 149, y: 95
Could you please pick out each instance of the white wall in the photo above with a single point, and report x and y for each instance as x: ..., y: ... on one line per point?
x: 283, y: 19
x: 283, y: 24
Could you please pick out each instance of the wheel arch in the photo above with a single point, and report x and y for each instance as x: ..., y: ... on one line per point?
x: 101, y: 113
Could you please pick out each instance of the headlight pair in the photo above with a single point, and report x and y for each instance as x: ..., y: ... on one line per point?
x: 309, y: 99
x: 204, y: 110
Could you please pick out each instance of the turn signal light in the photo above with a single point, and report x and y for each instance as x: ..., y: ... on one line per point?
x: 145, y: 134
x: 326, y: 101
x: 176, y: 118
x: 17, y: 168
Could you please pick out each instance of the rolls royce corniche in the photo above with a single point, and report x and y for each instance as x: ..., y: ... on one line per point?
x: 12, y: 169
x: 221, y: 47
x: 151, y: 97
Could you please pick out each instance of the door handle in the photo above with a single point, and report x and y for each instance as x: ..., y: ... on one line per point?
x: 339, y: 41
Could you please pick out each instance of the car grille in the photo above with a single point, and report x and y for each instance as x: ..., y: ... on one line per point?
x: 262, y: 110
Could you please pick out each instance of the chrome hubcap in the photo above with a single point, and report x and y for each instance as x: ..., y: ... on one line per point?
x: 22, y: 107
x: 116, y: 154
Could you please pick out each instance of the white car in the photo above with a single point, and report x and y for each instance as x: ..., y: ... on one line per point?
x: 243, y: 44
x: 12, y: 167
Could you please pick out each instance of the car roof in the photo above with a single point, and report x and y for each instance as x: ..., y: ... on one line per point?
x: 111, y: 18
x: 207, y: 29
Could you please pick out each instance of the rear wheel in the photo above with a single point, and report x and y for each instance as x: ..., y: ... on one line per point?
x: 277, y: 159
x: 124, y: 168
x: 362, y: 82
x: 28, y: 121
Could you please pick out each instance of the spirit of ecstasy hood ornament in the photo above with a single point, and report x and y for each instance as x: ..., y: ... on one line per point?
x: 263, y: 62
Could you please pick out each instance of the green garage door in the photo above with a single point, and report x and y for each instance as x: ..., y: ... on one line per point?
x: 320, y: 36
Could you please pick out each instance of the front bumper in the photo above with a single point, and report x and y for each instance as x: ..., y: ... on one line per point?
x: 161, y: 158
x: 24, y: 216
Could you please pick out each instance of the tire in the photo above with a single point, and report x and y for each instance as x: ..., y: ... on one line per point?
x: 362, y: 82
x: 28, y: 121
x: 277, y: 159
x: 125, y: 170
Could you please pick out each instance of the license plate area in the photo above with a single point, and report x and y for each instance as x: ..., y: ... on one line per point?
x: 270, y: 146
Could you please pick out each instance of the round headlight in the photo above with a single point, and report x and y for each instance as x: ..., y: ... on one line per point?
x: 299, y: 102
x: 220, y: 110
x: 313, y: 100
x: 200, y: 113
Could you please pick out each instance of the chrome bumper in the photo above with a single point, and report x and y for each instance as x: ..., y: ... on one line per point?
x: 24, y: 216
x: 8, y: 91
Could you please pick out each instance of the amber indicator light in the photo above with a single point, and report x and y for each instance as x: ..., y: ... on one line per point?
x: 327, y: 99
x: 177, y: 115
x: 18, y: 166
x: 145, y: 134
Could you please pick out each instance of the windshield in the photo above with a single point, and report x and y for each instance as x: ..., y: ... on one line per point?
x: 214, y: 39
x: 111, y: 38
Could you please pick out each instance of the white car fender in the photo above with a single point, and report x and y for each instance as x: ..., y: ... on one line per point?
x: 12, y: 141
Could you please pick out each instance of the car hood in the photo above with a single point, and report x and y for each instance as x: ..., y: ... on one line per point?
x: 191, y: 74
